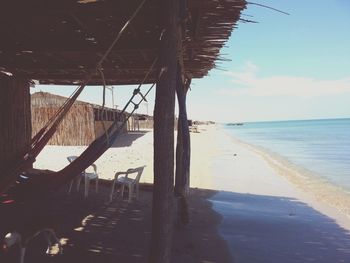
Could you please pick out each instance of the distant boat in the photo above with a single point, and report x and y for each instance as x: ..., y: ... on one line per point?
x: 235, y: 124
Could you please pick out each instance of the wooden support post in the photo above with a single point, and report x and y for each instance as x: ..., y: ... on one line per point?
x: 183, y: 151
x: 183, y: 147
x: 15, y: 120
x: 163, y: 191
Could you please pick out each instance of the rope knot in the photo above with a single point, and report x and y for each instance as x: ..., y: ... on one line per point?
x: 136, y: 91
x: 99, y: 66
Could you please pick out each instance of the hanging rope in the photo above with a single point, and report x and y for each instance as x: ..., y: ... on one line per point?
x: 136, y: 92
x: 103, y: 100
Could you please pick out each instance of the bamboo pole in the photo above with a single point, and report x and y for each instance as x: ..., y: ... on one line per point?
x: 163, y: 191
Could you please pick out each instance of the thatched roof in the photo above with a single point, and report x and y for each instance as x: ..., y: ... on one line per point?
x: 59, y: 41
x: 46, y: 99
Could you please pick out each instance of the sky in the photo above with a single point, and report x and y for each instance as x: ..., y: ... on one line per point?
x: 285, y: 67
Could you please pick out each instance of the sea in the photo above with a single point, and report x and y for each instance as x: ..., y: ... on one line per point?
x: 318, y: 147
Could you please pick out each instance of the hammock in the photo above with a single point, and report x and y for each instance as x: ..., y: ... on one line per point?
x: 36, y: 184
x: 45, y: 134
x: 38, y: 142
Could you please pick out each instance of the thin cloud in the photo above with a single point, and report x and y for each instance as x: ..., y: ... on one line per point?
x: 246, y: 82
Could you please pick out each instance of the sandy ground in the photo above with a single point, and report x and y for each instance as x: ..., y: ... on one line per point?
x: 260, y: 211
x: 130, y: 151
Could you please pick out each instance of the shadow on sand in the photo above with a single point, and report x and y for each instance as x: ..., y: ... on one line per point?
x: 257, y: 229
x: 96, y: 231
x: 127, y: 139
x: 278, y: 229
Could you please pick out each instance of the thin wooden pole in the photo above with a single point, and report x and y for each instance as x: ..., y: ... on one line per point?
x: 163, y: 191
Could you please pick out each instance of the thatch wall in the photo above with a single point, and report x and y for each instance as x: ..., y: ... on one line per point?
x: 77, y: 128
x: 81, y: 126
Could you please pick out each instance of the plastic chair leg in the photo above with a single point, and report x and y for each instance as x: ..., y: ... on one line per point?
x: 96, y: 185
x: 112, y: 191
x: 87, y: 184
x: 137, y: 191
x: 22, y: 254
x: 122, y: 191
x: 131, y: 190
x: 70, y: 186
x: 78, y: 182
x: 48, y: 241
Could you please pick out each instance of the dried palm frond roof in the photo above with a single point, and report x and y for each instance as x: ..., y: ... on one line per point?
x: 59, y: 41
x: 46, y: 99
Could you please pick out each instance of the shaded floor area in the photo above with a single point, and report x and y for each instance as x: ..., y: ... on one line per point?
x: 126, y: 139
x: 93, y: 230
x: 277, y: 229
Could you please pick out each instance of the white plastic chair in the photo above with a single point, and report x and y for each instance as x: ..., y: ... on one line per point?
x: 131, y: 183
x: 88, y: 176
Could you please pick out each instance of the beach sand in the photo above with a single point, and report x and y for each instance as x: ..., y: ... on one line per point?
x: 256, y: 213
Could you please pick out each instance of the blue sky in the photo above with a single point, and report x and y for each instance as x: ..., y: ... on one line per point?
x: 284, y: 67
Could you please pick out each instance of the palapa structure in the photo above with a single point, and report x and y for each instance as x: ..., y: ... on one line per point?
x: 61, y: 41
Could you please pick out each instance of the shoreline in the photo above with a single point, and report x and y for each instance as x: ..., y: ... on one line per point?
x: 322, y: 195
